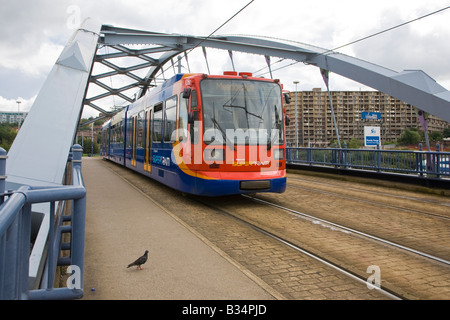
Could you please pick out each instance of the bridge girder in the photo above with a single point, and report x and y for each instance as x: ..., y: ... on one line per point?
x: 412, y: 86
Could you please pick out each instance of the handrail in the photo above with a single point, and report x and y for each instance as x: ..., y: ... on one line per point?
x: 420, y: 163
x: 15, y: 237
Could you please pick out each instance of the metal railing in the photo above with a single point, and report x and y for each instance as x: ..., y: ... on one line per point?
x: 65, y: 211
x: 434, y: 164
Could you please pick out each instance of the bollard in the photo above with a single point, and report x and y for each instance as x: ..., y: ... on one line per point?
x: 77, y: 154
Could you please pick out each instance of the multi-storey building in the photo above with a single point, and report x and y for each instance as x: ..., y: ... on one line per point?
x: 315, y: 121
x: 12, y: 117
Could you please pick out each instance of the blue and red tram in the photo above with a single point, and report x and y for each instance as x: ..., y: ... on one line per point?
x: 204, y: 135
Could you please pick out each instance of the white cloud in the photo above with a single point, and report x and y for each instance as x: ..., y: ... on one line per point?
x: 12, y: 105
x: 34, y: 64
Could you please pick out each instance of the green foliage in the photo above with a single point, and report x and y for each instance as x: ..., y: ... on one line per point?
x: 446, y: 132
x: 409, y: 136
x: 435, y: 136
x: 7, y: 136
x: 87, y: 146
x: 352, y: 144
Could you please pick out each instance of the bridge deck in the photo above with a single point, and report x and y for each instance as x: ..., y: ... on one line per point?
x: 122, y: 222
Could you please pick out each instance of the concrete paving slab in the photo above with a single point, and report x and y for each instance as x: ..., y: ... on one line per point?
x: 122, y: 222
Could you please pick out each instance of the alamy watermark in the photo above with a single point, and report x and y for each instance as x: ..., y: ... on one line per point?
x: 74, y: 20
x: 374, y: 280
x: 74, y: 280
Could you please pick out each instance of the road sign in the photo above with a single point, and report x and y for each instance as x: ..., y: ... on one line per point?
x: 370, y: 115
x: 372, y: 136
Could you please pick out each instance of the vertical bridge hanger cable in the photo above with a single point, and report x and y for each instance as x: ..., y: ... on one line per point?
x: 217, y: 29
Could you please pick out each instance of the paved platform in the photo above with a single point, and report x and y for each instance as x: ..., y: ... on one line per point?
x: 122, y: 222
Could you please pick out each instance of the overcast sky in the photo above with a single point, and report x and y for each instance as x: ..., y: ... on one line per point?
x: 34, y: 32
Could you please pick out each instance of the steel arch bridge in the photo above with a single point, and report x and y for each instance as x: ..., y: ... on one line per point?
x: 82, y: 76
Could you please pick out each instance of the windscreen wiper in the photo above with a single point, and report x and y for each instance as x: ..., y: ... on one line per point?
x: 244, y: 106
x: 217, y: 125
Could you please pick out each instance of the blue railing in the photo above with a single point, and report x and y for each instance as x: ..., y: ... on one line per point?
x: 16, y: 240
x: 434, y: 164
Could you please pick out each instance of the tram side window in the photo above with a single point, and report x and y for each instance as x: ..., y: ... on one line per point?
x: 183, y: 118
x: 157, y: 123
x: 194, y: 132
x: 113, y: 134
x: 170, y: 119
x: 120, y: 134
x: 140, y: 130
x: 129, y: 138
x: 116, y: 134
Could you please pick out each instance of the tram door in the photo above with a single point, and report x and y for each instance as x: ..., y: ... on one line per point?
x: 133, y: 141
x: 148, y: 140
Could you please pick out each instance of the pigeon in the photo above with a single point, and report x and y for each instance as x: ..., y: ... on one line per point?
x: 140, y: 261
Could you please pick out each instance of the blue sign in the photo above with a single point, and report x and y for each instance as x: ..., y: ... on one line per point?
x: 372, y: 136
x: 372, y: 141
x: 370, y: 115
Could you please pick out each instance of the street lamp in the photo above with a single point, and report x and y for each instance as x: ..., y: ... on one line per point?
x: 296, y: 115
x: 18, y: 111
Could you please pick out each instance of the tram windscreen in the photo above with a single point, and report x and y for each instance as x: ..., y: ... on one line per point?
x: 242, y: 111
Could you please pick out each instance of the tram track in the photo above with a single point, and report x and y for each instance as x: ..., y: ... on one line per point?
x: 358, y: 246
x: 262, y: 239
x: 385, y: 291
x: 363, y: 234
x: 410, y: 210
x: 372, y: 192
x: 382, y: 192
x: 420, y: 225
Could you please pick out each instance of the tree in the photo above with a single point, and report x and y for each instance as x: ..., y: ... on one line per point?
x: 446, y: 132
x: 354, y: 144
x: 7, y: 136
x: 436, y: 136
x: 87, y: 147
x: 409, y: 136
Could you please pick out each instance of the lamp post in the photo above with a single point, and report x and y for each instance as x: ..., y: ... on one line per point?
x: 18, y: 111
x: 296, y: 115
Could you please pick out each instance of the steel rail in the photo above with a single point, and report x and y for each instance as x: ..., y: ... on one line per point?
x: 328, y: 263
x: 373, y: 202
x: 396, y: 245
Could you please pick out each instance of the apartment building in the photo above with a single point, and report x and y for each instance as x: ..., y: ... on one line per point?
x: 315, y: 121
x: 12, y: 117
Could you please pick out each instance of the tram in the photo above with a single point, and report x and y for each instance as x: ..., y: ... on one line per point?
x: 209, y: 135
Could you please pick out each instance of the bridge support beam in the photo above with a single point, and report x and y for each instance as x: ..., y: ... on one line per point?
x: 39, y: 153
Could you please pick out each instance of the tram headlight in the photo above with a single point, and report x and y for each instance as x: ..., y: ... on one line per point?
x: 214, y: 155
x: 278, y: 154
